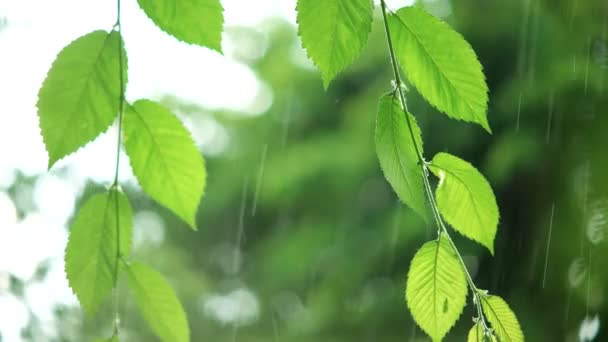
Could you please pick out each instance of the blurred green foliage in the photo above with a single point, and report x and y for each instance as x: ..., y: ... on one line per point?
x: 298, y: 214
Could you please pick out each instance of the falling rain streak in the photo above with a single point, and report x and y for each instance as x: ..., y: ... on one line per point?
x: 258, y: 183
x: 548, y: 243
x: 240, y: 234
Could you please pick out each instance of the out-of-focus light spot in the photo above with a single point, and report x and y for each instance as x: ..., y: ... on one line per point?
x: 54, y: 198
x: 373, y: 289
x: 7, y: 177
x: 45, y: 296
x: 227, y: 257
x: 239, y: 307
x: 299, y: 58
x: 252, y: 13
x: 288, y: 305
x: 438, y: 8
x: 211, y: 137
x: 97, y: 160
x: 8, y: 212
x: 13, y: 317
x: 245, y: 44
x: 5, y: 282
x: 149, y: 229
x: 24, y: 245
x: 600, y: 53
x: 290, y: 309
x: 589, y: 328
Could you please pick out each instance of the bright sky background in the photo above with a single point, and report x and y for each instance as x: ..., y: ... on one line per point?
x: 158, y: 65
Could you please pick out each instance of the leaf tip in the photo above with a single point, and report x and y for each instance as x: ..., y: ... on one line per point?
x: 52, y: 162
x: 483, y: 122
x: 326, y: 80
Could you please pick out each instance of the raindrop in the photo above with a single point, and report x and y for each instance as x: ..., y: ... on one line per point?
x: 589, y: 328
x: 149, y: 229
x: 239, y: 307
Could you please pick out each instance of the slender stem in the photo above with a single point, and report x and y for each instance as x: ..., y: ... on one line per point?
x: 115, y: 185
x: 441, y: 228
x: 122, y: 93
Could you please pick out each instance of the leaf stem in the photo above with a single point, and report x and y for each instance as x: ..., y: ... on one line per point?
x: 115, y: 185
x: 441, y: 227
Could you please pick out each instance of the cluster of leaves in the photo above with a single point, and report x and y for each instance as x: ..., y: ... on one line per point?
x: 444, y: 69
x: 82, y: 95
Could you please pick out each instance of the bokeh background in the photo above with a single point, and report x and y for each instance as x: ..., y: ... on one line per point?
x: 300, y: 237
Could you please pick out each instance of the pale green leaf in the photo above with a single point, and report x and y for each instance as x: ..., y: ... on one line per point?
x: 440, y: 64
x: 436, y: 288
x: 503, y: 320
x: 465, y: 199
x: 158, y: 303
x: 91, y: 256
x: 334, y: 32
x: 476, y: 334
x: 164, y: 158
x: 397, y: 153
x: 80, y: 96
x: 197, y: 22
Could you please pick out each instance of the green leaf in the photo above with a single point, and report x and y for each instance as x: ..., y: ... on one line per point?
x: 397, y: 153
x: 436, y: 288
x: 476, y: 334
x: 80, y: 96
x: 197, y: 22
x: 503, y: 320
x: 92, y: 249
x: 158, y: 303
x: 465, y: 199
x: 334, y: 32
x: 440, y: 64
x: 165, y: 160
